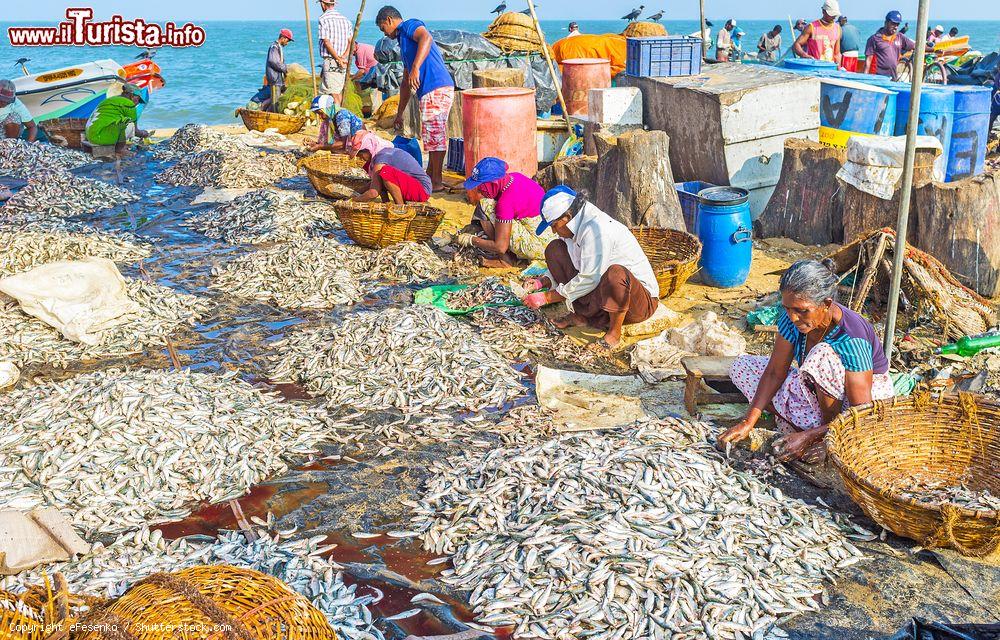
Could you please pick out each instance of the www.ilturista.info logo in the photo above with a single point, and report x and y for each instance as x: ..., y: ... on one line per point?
x: 79, y: 30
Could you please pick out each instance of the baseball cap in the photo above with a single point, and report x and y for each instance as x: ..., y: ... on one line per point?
x: 322, y: 103
x: 486, y: 170
x: 894, y: 17
x: 555, y: 203
x: 7, y: 91
x: 939, y: 28
x: 831, y: 8
x: 129, y: 89
x: 286, y: 33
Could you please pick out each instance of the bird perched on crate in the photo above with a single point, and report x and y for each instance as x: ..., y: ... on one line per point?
x: 656, y: 17
x: 500, y: 8
x: 634, y: 15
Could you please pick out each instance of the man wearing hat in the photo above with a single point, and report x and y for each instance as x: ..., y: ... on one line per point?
x: 887, y: 46
x: 596, y: 267
x: 724, y: 41
x: 936, y: 36
x: 334, y: 39
x: 13, y: 114
x: 113, y: 121
x: 275, y: 70
x: 820, y: 40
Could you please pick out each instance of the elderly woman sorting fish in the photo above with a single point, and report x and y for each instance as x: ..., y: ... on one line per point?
x: 395, y: 176
x: 840, y: 363
x: 337, y: 126
x: 507, y: 209
x: 596, y: 267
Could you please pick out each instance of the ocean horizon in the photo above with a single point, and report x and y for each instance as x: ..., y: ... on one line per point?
x: 207, y: 84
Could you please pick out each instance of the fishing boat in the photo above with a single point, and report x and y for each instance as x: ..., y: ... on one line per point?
x: 74, y: 92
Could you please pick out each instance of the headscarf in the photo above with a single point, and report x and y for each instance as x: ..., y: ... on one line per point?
x: 326, y: 105
x: 368, y: 141
x: 495, y: 188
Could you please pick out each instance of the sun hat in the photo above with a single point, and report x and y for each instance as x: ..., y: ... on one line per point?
x: 486, y: 170
x: 287, y: 33
x: 7, y: 91
x: 938, y: 29
x: 555, y: 203
x: 894, y: 16
x: 129, y: 89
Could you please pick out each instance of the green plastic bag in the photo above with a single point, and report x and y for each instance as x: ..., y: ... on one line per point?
x: 437, y: 296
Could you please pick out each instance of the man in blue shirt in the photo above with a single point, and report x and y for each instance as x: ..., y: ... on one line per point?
x: 425, y: 74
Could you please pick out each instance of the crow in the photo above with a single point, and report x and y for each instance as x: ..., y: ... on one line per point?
x: 656, y: 16
x: 527, y: 12
x: 500, y: 8
x: 635, y: 13
x: 21, y: 62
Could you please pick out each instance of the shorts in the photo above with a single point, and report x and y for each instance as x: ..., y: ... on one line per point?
x: 434, y: 110
x: 411, y: 188
x: 332, y: 78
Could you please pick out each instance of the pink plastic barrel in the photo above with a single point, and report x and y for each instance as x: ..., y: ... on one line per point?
x: 579, y: 76
x: 500, y: 122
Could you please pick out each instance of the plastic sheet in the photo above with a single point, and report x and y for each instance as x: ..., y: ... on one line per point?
x: 465, y: 52
x: 919, y: 629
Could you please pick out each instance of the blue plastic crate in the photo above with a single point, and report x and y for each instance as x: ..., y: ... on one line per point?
x: 687, y: 192
x: 456, y: 155
x: 663, y: 56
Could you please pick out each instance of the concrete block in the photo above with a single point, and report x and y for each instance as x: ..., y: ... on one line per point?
x: 617, y: 105
x: 591, y: 129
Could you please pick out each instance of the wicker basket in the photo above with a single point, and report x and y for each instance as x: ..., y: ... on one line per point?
x: 264, y: 120
x: 949, y: 438
x: 644, y: 30
x: 333, y: 175
x: 203, y: 602
x: 378, y: 225
x: 65, y: 132
x: 514, y: 32
x: 20, y: 621
x: 673, y: 254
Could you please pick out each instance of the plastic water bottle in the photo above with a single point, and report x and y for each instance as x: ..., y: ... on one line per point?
x: 971, y: 345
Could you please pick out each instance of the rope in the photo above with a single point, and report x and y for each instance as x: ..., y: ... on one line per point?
x: 945, y: 536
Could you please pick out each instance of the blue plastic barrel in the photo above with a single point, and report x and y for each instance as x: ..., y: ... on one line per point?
x: 967, y: 155
x: 410, y: 146
x: 858, y: 107
x: 937, y: 113
x: 725, y: 230
x: 808, y: 64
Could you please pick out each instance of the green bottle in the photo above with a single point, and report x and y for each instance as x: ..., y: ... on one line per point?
x: 971, y: 345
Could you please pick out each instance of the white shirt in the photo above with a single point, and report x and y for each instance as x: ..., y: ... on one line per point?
x: 598, y: 242
x: 574, y: 32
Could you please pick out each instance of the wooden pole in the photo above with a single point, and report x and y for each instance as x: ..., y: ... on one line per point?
x: 704, y: 41
x: 552, y: 69
x: 312, y: 54
x: 903, y: 218
x: 350, y: 47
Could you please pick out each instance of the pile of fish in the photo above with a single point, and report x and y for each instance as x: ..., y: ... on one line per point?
x: 265, y: 215
x: 641, y: 533
x: 189, y: 139
x: 108, y: 571
x: 940, y: 492
x: 64, y: 195
x: 27, y: 340
x: 490, y: 291
x: 23, y: 249
x: 230, y: 164
x: 24, y: 159
x: 414, y: 359
x: 310, y: 274
x: 411, y: 262
x: 117, y: 449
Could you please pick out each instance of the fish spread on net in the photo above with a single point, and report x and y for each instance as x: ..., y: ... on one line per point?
x: 26, y: 248
x: 63, y: 194
x: 230, y: 164
x: 490, y: 291
x: 23, y: 159
x: 265, y: 215
x: 320, y: 273
x: 301, y: 564
x: 641, y: 533
x: 114, y: 450
x: 162, y: 311
x: 415, y: 358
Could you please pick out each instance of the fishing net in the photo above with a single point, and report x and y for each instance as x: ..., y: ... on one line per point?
x: 644, y: 30
x: 514, y: 32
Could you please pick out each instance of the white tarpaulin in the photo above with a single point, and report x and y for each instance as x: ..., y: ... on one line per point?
x: 80, y: 298
x: 660, y: 357
x: 9, y: 374
x: 875, y: 163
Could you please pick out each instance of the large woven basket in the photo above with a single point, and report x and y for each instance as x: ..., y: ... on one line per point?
x: 673, y: 255
x: 514, y: 32
x: 264, y: 120
x: 644, y: 30
x: 209, y: 603
x: 950, y: 438
x: 378, y: 225
x: 335, y: 176
x: 65, y: 132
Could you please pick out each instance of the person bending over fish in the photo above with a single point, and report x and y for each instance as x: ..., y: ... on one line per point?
x: 841, y: 364
x: 395, y: 176
x: 337, y: 126
x: 596, y: 267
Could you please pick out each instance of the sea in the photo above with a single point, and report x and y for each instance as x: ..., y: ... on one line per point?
x: 207, y: 84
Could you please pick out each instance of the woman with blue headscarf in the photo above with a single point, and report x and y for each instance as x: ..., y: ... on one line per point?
x: 596, y: 267
x: 337, y: 126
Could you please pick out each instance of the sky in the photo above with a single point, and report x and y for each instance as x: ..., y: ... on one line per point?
x: 160, y: 10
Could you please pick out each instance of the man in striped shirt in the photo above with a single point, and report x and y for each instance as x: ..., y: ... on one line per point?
x: 334, y: 38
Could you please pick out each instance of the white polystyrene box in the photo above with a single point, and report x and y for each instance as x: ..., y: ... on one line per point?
x: 616, y: 105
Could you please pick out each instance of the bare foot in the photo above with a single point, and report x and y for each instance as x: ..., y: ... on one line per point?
x: 613, y: 339
x: 571, y: 320
x: 438, y: 188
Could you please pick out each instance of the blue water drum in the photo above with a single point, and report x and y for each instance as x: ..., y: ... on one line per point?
x: 808, y: 64
x: 937, y: 114
x: 967, y: 155
x: 725, y: 230
x: 857, y: 107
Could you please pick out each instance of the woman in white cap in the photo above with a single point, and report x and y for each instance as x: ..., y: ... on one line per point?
x: 820, y: 40
x: 596, y: 267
